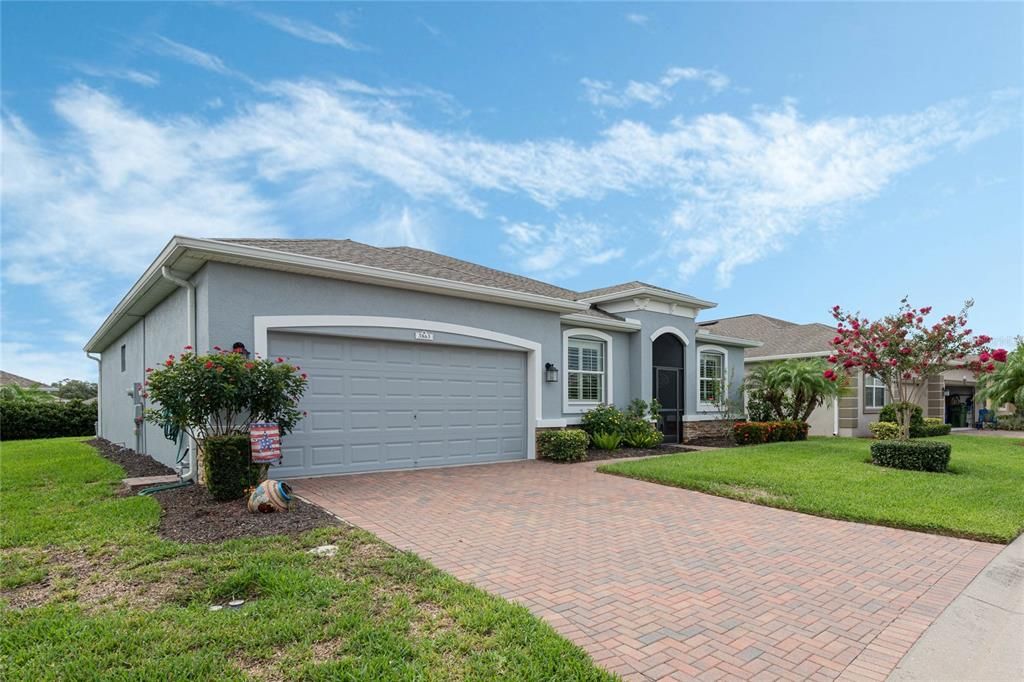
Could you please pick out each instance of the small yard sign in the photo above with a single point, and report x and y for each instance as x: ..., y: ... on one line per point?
x: 265, y: 439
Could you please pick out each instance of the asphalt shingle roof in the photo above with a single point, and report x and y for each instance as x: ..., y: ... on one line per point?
x: 431, y: 264
x: 780, y: 337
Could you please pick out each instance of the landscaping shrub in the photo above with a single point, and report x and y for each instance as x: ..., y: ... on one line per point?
x: 884, y: 430
x: 640, y: 433
x: 603, y: 419
x: 21, y: 419
x: 890, y: 413
x: 227, y: 462
x: 569, y: 445
x: 912, y: 455
x: 934, y: 426
x: 606, y: 441
x: 754, y: 433
x: 1013, y: 422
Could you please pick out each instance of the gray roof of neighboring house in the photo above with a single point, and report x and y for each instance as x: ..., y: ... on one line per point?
x: 780, y: 337
x: 6, y: 379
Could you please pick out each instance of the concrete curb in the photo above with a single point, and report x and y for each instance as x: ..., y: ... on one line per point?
x: 979, y: 635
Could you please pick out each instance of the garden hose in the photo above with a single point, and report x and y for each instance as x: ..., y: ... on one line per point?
x: 172, y: 432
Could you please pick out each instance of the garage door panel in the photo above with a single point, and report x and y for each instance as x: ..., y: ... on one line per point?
x: 375, y: 405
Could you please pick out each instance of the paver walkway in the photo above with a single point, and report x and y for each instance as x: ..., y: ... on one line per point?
x: 661, y: 583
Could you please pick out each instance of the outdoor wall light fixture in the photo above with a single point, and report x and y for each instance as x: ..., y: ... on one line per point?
x: 550, y: 372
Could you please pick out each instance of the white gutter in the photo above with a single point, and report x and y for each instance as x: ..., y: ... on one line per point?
x: 190, y: 315
x: 99, y: 393
x: 789, y: 356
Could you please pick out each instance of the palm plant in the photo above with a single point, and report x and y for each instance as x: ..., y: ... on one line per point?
x: 1006, y: 383
x: 792, y: 388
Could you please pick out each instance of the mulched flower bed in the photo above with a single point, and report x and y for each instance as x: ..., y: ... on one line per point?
x: 714, y: 442
x: 192, y: 515
x: 134, y: 464
x: 594, y: 455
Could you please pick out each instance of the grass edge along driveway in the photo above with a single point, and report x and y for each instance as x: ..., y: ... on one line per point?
x: 980, y: 498
x: 88, y: 590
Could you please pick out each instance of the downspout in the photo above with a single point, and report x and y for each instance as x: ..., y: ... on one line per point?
x: 835, y: 416
x: 99, y: 392
x: 190, y: 315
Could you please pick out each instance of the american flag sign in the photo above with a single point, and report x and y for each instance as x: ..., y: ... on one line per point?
x: 265, y: 441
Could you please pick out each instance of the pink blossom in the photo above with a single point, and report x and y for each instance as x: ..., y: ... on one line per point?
x: 280, y: 359
x: 984, y: 357
x: 209, y: 364
x: 833, y: 359
x: 830, y: 375
x: 999, y: 354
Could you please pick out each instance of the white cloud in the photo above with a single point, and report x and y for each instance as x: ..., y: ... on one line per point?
x: 190, y: 55
x: 402, y: 227
x: 562, y: 251
x: 96, y: 204
x: 306, y: 31
x: 142, y: 78
x: 604, y: 94
x: 40, y: 362
x: 638, y: 19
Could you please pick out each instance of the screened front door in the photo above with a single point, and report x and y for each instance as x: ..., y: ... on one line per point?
x: 668, y: 390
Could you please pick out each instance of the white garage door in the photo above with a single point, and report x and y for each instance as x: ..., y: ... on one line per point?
x: 377, y: 405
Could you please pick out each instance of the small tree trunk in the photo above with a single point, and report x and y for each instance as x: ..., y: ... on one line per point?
x: 905, y: 413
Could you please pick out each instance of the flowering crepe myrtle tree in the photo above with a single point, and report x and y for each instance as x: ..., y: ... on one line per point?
x: 903, y: 351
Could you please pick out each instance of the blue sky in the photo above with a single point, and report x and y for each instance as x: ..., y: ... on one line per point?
x: 774, y: 158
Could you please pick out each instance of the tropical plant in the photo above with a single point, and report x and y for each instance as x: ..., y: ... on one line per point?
x: 606, y: 441
x: 640, y: 433
x: 791, y: 389
x: 903, y: 351
x: 1006, y: 383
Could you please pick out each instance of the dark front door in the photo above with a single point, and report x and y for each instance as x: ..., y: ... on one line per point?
x: 668, y: 390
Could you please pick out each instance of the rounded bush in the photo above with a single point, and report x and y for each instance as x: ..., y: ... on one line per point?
x: 754, y: 433
x: 568, y: 445
x: 884, y: 430
x: 912, y: 455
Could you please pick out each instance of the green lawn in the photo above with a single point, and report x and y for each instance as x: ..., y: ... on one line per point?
x: 981, y: 497
x: 89, y: 591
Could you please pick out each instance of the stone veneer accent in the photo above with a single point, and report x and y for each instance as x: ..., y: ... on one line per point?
x: 712, y: 428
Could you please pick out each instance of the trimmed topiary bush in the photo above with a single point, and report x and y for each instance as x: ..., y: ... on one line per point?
x: 227, y: 463
x: 21, y: 419
x: 934, y: 427
x: 912, y: 455
x: 884, y: 430
x: 568, y: 445
x: 754, y: 433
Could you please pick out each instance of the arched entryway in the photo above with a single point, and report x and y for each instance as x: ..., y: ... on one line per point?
x: 667, y: 354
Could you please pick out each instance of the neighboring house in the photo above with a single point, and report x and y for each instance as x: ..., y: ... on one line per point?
x: 949, y: 397
x: 415, y: 359
x: 8, y: 379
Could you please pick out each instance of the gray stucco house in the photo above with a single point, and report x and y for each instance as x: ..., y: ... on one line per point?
x: 415, y: 359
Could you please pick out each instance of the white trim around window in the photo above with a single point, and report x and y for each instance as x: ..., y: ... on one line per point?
x: 587, y: 338
x: 670, y: 330
x: 873, y: 389
x: 703, y: 406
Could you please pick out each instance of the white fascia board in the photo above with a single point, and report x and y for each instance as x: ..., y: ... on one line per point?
x: 787, y: 356
x: 648, y: 292
x: 602, y: 323
x: 210, y: 249
x: 702, y: 337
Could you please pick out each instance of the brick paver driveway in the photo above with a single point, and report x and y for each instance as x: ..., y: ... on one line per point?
x: 657, y: 582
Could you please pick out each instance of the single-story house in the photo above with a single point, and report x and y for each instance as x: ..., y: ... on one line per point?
x: 9, y: 379
x: 949, y: 397
x: 415, y: 359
